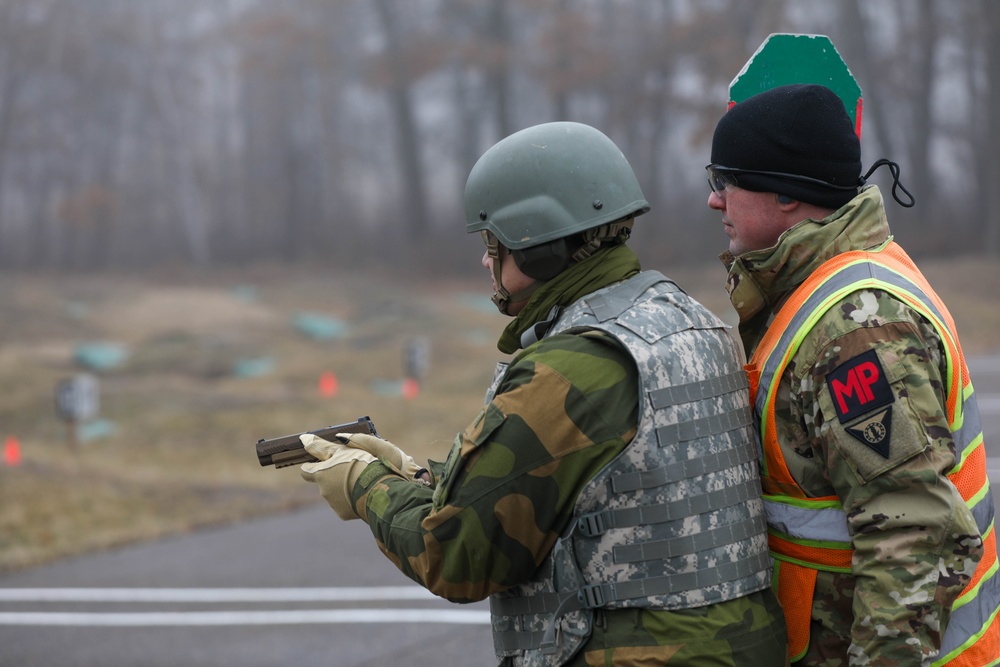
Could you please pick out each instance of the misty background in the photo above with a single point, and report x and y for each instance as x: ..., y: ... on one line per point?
x: 205, y: 133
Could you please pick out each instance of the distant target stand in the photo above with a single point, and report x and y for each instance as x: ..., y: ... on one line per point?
x: 77, y: 401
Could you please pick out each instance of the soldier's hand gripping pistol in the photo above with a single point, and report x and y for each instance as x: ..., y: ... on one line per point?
x: 288, y: 450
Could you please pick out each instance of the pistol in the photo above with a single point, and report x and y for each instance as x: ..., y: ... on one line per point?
x: 288, y: 449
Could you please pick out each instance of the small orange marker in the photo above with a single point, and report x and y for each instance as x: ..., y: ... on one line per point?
x: 11, y: 452
x: 411, y: 388
x: 328, y: 385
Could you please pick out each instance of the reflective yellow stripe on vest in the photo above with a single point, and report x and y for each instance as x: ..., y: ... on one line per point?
x: 811, y: 534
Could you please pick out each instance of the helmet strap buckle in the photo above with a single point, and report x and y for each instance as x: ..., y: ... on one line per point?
x: 616, y: 232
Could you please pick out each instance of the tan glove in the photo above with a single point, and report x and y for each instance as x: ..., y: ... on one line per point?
x: 389, y: 454
x: 337, y: 470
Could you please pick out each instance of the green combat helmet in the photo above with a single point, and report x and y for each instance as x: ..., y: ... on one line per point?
x: 551, y: 194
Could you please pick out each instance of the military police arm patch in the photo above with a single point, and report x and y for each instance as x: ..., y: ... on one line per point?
x: 859, y: 386
x: 863, y: 399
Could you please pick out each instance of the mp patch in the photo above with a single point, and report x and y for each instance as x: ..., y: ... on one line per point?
x: 859, y: 386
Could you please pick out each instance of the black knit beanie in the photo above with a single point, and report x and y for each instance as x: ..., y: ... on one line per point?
x: 800, y: 129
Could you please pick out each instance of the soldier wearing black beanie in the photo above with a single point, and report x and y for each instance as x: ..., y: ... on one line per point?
x: 870, y: 527
x: 801, y: 135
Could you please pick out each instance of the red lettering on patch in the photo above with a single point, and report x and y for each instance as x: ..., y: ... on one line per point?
x: 859, y: 386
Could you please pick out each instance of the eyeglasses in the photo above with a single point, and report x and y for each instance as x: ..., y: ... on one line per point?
x: 719, y: 177
x: 718, y: 180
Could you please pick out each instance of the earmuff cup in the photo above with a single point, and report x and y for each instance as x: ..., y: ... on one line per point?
x: 545, y: 261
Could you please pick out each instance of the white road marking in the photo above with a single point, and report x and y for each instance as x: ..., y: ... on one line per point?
x: 231, y: 617
x: 290, y: 617
x: 210, y: 595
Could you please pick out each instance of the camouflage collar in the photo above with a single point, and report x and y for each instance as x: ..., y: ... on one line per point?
x: 603, y: 268
x: 761, y: 279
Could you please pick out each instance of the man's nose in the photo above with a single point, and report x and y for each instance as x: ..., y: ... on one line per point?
x: 716, y: 201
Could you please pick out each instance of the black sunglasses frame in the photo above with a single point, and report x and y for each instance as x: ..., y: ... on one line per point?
x: 719, y: 177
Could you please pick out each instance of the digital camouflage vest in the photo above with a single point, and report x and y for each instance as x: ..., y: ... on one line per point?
x: 676, y: 521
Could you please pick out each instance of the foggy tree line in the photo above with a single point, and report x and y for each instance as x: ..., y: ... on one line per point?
x: 213, y: 132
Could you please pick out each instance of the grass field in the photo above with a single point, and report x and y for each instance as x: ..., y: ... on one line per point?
x: 184, y: 419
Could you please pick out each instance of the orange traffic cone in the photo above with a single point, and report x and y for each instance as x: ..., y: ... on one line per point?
x: 11, y: 452
x: 410, y: 388
x: 328, y: 385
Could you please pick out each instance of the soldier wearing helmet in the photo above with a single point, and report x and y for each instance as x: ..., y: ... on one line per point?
x: 606, y: 498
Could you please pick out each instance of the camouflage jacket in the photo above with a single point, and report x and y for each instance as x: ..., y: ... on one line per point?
x: 564, y: 409
x: 915, y: 541
x: 676, y: 521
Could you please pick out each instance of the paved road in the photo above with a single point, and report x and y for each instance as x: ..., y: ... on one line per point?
x: 302, y: 589
x: 986, y: 379
x: 238, y: 596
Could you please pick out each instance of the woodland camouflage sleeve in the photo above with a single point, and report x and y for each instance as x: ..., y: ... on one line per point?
x: 878, y: 409
x: 564, y: 409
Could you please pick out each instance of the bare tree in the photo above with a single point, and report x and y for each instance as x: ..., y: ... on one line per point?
x: 400, y: 79
x: 22, y: 52
x: 214, y: 130
x: 990, y: 148
x: 853, y: 37
x: 498, y: 41
x: 170, y: 107
x: 925, y: 46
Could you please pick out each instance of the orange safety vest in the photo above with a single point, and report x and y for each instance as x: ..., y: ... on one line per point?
x: 810, y: 534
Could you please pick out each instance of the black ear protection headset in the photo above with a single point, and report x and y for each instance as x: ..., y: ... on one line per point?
x: 545, y: 261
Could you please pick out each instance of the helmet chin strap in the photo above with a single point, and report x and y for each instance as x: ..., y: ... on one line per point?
x: 502, y: 298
